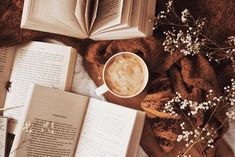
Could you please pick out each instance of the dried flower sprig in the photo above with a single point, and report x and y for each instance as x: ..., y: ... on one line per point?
x: 206, y: 133
x: 188, y: 105
x: 187, y: 36
x: 28, y: 128
x: 48, y: 127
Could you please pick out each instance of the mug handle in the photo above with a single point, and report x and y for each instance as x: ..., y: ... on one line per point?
x: 101, y: 90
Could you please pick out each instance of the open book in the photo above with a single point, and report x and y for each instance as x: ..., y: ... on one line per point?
x: 34, y: 62
x: 58, y: 123
x: 95, y: 19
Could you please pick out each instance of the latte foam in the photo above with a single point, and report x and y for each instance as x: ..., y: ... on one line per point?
x: 125, y: 75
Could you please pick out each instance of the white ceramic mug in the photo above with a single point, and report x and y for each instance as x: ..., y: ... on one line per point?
x: 127, y: 58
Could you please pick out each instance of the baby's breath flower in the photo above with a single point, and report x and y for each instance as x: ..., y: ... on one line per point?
x: 169, y: 5
x: 28, y: 127
x: 186, y: 42
x: 187, y: 36
x: 185, y: 136
x: 192, y: 108
x: 185, y: 15
x: 190, y: 37
x: 48, y: 127
x: 231, y: 115
x: 231, y: 40
x: 182, y: 125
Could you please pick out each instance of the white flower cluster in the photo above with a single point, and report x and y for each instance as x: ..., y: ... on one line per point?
x: 191, y: 107
x: 182, y: 125
x: 48, y: 127
x: 189, y: 134
x: 184, y: 136
x: 187, y: 36
x: 210, y: 143
x: 185, y: 15
x: 163, y: 14
x: 231, y: 40
x: 190, y: 38
x: 169, y: 6
x: 221, y: 53
x: 169, y: 108
x: 230, y: 91
x: 231, y: 115
x: 195, y: 136
x: 188, y: 42
x: 28, y: 127
x: 196, y: 107
x: 231, y: 97
x: 200, y: 24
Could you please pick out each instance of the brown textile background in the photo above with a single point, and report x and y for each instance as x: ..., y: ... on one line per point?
x: 190, y: 76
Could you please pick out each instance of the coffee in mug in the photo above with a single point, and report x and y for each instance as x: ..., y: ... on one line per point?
x: 125, y: 75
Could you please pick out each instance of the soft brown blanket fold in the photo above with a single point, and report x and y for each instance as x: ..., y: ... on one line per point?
x: 190, y: 76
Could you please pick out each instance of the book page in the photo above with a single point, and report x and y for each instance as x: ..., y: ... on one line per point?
x: 140, y: 26
x: 54, y: 119
x: 41, y: 63
x: 106, y: 130
x: 3, y: 136
x: 109, y: 13
x: 150, y: 13
x: 90, y: 13
x: 136, y: 135
x: 80, y: 13
x: 6, y: 61
x: 133, y: 31
x: 127, y: 10
x: 63, y: 12
x: 54, y: 16
x: 94, y: 13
